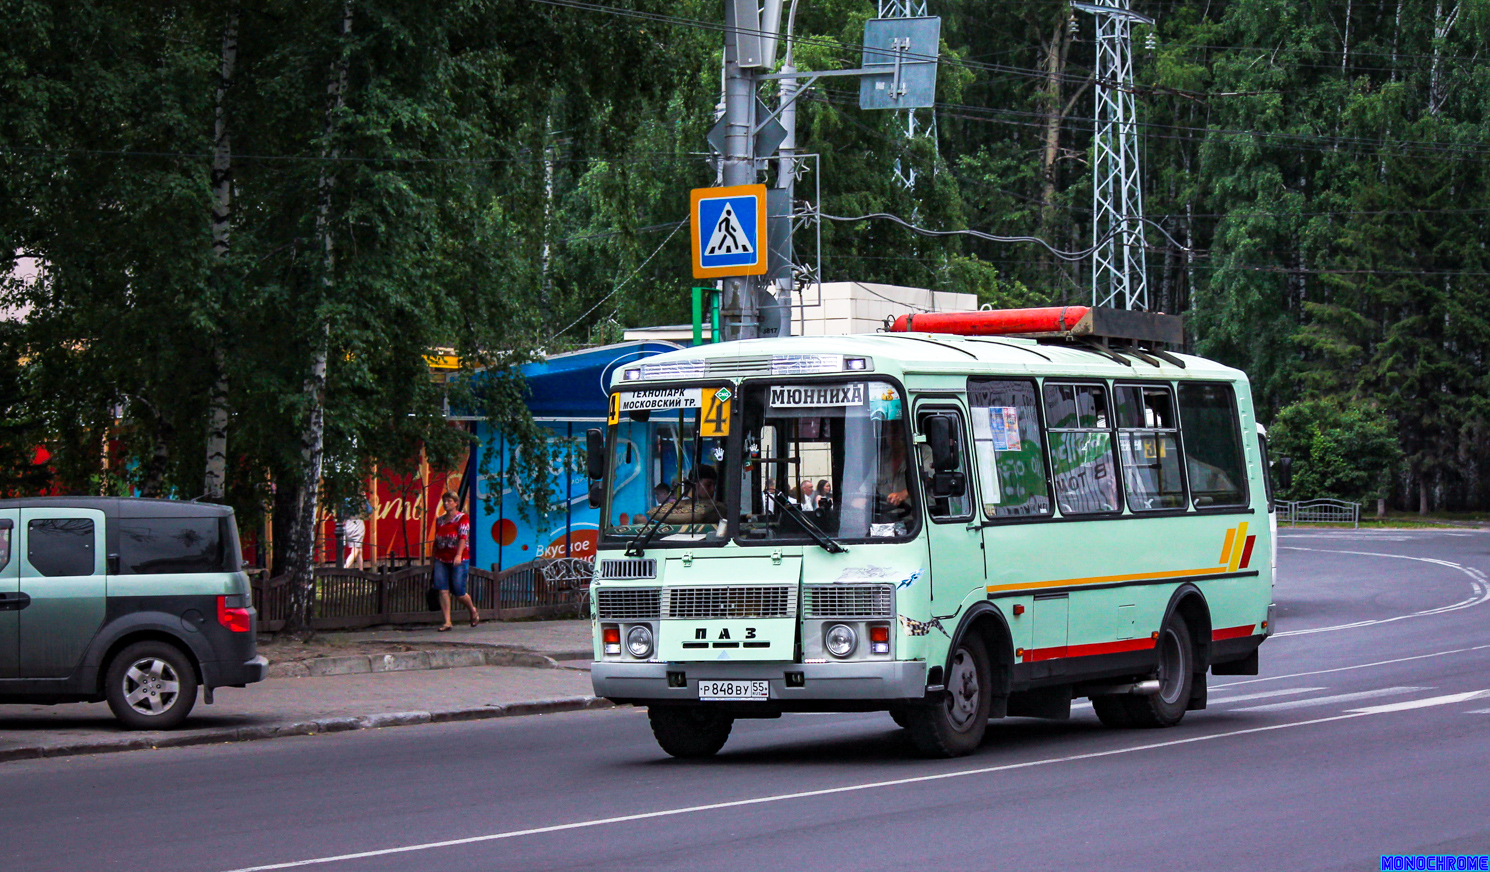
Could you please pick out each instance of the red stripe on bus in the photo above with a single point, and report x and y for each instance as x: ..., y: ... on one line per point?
x: 1232, y: 632
x: 1247, y: 552
x: 1035, y: 654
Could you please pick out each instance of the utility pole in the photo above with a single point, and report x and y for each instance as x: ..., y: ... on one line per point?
x: 1119, y: 277
x: 743, y: 55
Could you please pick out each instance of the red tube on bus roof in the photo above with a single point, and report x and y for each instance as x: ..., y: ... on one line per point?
x: 999, y: 322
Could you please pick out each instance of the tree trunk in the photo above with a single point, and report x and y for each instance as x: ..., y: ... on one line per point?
x: 215, y: 474
x: 313, y: 435
x: 1443, y: 24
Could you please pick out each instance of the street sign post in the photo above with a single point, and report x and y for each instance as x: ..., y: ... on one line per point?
x: 728, y: 226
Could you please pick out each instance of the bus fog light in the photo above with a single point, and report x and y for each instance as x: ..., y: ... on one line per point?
x: 639, y: 641
x: 610, y: 636
x: 840, y: 640
x: 879, y: 639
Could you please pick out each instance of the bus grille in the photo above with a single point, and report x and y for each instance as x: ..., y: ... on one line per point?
x: 701, y: 603
x: 620, y: 570
x: 851, y: 601
x: 628, y: 604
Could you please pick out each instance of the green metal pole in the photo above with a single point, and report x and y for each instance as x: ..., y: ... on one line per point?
x: 698, y: 315
x: 714, y: 306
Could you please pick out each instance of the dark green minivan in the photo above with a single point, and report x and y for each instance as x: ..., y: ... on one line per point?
x: 136, y: 602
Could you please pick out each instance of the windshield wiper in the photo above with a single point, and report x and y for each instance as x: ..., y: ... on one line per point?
x: 830, y: 545
x: 635, y: 548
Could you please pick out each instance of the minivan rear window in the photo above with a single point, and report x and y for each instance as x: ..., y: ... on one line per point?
x: 149, y: 546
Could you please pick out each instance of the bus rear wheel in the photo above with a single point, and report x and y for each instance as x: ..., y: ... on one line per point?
x: 690, y: 731
x: 954, y: 725
x: 1176, y: 678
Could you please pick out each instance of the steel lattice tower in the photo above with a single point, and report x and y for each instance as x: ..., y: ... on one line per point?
x: 1119, y: 279
x: 908, y: 9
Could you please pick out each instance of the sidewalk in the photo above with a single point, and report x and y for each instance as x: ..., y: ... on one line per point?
x: 551, y: 675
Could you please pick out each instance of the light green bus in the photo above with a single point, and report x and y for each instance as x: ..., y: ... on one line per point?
x: 993, y: 527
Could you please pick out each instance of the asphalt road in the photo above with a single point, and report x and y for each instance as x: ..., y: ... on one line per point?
x: 1362, y: 736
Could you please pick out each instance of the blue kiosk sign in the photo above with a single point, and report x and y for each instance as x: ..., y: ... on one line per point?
x: 729, y: 231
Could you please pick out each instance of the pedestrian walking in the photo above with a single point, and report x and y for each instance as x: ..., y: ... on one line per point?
x: 452, y: 543
x: 353, y: 533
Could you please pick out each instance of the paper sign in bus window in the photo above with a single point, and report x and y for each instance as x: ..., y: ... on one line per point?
x: 1003, y: 421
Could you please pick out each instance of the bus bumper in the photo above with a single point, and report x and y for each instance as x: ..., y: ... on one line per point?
x: 641, y: 683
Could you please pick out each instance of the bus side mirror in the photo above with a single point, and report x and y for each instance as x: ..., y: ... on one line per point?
x: 948, y: 484
x: 594, y: 454
x: 943, y: 441
x: 597, y: 494
x: 1283, y: 472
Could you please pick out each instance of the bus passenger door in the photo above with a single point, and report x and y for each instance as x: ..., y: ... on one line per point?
x: 956, y: 538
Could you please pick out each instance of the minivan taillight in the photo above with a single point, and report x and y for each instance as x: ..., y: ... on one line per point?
x: 237, y: 620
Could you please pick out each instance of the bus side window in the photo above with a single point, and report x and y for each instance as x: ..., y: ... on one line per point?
x: 1009, y: 447
x: 1213, y: 446
x: 1148, y: 441
x: 1081, y: 457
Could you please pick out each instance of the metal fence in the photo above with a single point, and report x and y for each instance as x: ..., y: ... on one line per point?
x: 1319, y: 512
x: 350, y: 599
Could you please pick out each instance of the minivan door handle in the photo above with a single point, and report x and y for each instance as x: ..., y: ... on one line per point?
x: 14, y: 602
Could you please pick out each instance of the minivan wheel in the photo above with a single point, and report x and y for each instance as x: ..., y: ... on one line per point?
x: 150, y: 686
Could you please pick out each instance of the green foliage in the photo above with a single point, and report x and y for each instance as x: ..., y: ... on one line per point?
x: 1340, y: 450
x: 509, y: 175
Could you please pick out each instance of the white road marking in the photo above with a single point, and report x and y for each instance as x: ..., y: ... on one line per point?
x: 1448, y: 699
x: 1477, y: 581
x: 1478, y: 712
x: 806, y: 794
x: 1263, y: 695
x: 1326, y: 700
x: 1349, y: 668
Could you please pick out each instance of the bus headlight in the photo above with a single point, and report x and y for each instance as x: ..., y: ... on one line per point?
x: 639, y: 641
x: 840, y: 640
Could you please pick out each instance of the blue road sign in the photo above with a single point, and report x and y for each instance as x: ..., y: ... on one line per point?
x: 729, y: 231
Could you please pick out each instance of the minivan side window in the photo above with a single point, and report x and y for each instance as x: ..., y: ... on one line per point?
x: 5, y: 543
x: 1008, y: 449
x: 170, y: 545
x: 1148, y: 441
x: 1081, y: 460
x: 1213, y: 445
x: 60, y: 546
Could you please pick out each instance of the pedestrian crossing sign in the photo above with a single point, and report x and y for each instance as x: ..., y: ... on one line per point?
x: 729, y: 231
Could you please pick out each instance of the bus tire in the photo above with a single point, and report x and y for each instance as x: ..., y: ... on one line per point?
x: 899, y: 716
x: 1176, y: 674
x: 690, y: 731
x: 1113, y: 711
x: 953, y: 726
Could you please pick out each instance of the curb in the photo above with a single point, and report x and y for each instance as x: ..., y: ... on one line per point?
x: 311, y: 728
x: 412, y: 661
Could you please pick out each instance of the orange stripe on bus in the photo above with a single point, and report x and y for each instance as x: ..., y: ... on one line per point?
x: 1132, y: 576
x: 1231, y: 632
x: 1226, y: 548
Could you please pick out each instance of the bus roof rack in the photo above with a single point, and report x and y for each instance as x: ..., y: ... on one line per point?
x: 1090, y: 323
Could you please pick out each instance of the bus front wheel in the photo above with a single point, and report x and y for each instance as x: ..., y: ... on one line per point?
x: 954, y: 725
x: 690, y: 731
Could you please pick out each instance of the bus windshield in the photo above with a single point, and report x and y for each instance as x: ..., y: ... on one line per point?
x: 664, y: 469
x: 824, y: 459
